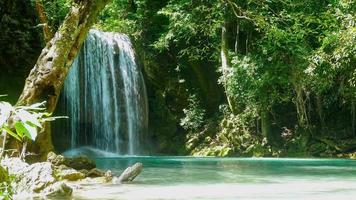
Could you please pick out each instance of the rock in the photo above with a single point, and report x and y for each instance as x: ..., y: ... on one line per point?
x: 69, y: 174
x: 14, y: 165
x: 78, y: 163
x: 81, y: 162
x: 108, y: 176
x: 93, y: 173
x: 55, y: 159
x: 130, y: 173
x: 34, y: 180
x: 58, y: 190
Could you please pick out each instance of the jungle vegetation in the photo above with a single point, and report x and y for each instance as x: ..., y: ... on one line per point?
x: 224, y: 77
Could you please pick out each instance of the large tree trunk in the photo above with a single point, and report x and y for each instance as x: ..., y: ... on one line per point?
x: 45, y: 80
x: 225, y: 61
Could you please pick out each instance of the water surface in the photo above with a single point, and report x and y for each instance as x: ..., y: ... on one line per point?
x: 229, y: 178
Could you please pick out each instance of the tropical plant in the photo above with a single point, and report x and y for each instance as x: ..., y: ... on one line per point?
x: 194, y: 114
x: 22, y: 122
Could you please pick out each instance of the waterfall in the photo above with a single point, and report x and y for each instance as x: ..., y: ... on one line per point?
x: 104, y: 96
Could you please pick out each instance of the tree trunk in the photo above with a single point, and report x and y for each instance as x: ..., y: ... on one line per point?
x: 237, y: 37
x: 266, y: 125
x: 225, y: 61
x: 45, y: 80
x: 353, y: 117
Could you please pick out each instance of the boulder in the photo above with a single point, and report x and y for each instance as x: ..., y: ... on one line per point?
x: 30, y: 178
x: 55, y: 159
x: 78, y: 163
x: 34, y: 180
x: 69, y: 174
x: 14, y: 165
x: 58, y: 190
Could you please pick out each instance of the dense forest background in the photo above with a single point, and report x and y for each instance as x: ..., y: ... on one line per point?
x: 224, y: 78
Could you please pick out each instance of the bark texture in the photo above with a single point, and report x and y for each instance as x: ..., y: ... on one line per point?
x: 45, y: 80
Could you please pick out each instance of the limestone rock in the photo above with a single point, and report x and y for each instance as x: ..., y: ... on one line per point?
x: 55, y: 159
x: 58, y: 190
x: 34, y: 180
x: 38, y: 176
x: 14, y: 165
x: 69, y: 174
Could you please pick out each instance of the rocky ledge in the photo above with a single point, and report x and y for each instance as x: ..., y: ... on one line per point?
x: 57, y: 178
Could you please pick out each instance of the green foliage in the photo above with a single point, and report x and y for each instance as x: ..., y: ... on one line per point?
x: 291, y: 60
x: 235, y: 136
x: 56, y: 12
x: 194, y: 114
x: 6, y: 192
x: 20, y: 45
x: 193, y: 28
x: 26, y: 120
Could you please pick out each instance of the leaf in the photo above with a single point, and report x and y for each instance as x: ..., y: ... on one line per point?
x: 20, y: 129
x: 32, y: 131
x: 5, y: 128
x: 26, y: 117
x: 36, y: 106
x: 48, y: 119
x: 24, y: 129
x: 5, y: 111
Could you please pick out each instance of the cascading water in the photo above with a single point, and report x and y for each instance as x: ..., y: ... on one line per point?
x: 104, y: 96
